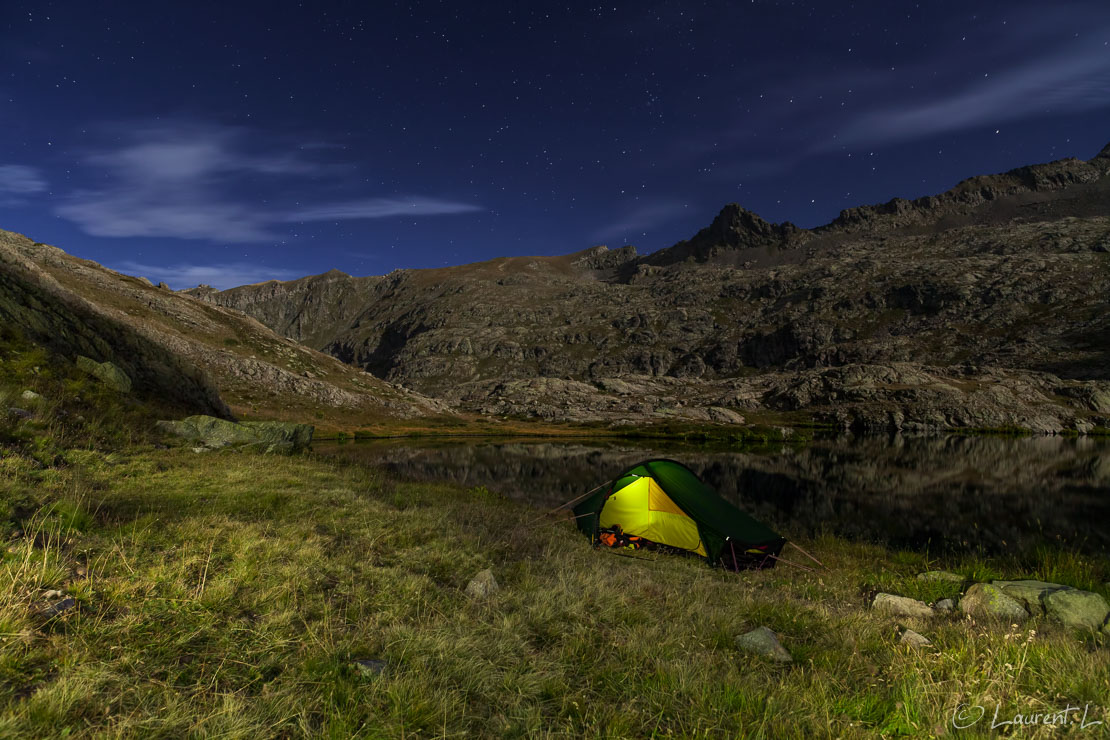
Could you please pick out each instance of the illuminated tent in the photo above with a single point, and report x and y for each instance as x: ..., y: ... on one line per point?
x: 663, y: 503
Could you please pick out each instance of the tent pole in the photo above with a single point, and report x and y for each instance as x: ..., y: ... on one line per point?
x: 807, y: 555
x: 735, y: 565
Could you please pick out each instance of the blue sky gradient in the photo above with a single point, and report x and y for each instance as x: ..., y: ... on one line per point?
x: 236, y: 142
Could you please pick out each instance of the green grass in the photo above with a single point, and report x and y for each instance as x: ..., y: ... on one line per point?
x: 229, y: 594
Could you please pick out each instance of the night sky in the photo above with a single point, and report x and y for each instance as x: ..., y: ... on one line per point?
x: 236, y: 142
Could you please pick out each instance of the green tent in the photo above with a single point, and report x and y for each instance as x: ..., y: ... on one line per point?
x: 665, y: 503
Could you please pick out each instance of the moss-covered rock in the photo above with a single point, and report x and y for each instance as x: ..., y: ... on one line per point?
x: 763, y: 642
x: 106, y: 372
x: 1030, y: 594
x: 985, y: 600
x: 263, y: 436
x: 1075, y: 608
x: 901, y: 606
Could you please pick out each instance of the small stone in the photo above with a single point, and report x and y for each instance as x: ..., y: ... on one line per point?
x: 20, y: 413
x: 983, y: 599
x: 900, y: 606
x: 1075, y: 608
x: 371, y: 666
x: 940, y: 575
x: 944, y: 605
x: 30, y: 395
x: 914, y: 639
x: 53, y: 594
x: 59, y: 607
x: 763, y: 642
x: 482, y: 585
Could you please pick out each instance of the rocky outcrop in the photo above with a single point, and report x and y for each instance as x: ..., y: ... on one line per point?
x: 262, y: 436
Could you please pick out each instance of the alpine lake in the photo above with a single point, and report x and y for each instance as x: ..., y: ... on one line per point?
x: 939, y: 494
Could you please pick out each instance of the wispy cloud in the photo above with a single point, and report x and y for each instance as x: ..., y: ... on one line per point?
x: 380, y: 208
x: 18, y: 179
x: 1074, y: 79
x: 202, y: 181
x: 222, y: 276
x: 636, y: 221
x: 1019, y: 64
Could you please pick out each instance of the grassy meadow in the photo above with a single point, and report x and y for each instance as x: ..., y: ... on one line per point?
x: 228, y: 594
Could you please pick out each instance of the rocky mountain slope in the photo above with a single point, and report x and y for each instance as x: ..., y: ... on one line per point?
x: 984, y: 306
x: 198, y: 357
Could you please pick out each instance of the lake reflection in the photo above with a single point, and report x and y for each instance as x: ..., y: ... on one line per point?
x: 940, y: 493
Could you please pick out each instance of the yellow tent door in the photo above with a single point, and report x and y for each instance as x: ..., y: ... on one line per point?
x: 643, y: 509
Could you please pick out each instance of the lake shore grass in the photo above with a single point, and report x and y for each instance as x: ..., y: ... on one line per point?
x: 231, y: 595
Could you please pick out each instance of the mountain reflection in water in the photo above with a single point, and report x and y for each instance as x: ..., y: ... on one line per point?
x: 941, y: 493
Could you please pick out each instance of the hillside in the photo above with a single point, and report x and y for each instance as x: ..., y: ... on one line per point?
x: 984, y: 306
x: 198, y: 357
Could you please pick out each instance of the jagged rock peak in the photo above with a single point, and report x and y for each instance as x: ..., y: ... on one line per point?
x: 1105, y: 153
x: 736, y: 226
x: 733, y: 228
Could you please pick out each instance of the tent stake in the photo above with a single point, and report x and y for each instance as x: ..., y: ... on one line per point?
x: 808, y: 555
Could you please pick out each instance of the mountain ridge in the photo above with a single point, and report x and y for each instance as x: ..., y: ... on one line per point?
x: 983, y: 306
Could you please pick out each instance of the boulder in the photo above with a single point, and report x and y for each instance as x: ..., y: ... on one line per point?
x: 901, y: 606
x: 944, y: 606
x: 914, y: 639
x: 482, y: 585
x: 106, y: 372
x: 1030, y: 594
x: 30, y: 396
x: 263, y: 436
x: 281, y: 435
x: 1078, y: 609
x: 983, y: 599
x: 940, y: 575
x: 763, y: 642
